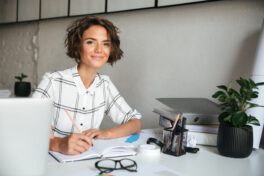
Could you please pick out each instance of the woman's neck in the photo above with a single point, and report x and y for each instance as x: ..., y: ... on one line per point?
x: 87, y: 75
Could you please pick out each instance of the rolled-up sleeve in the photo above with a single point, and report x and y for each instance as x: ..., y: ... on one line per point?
x: 117, y: 108
x: 44, y: 89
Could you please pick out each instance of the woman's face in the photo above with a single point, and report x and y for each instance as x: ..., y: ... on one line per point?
x: 95, y: 47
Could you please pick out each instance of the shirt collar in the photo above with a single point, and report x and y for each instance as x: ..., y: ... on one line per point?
x: 80, y: 86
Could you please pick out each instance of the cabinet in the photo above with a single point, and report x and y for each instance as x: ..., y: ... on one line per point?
x: 82, y: 7
x: 122, y: 5
x: 29, y: 10
x: 8, y: 11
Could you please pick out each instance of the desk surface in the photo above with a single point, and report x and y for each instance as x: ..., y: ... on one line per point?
x: 206, y: 162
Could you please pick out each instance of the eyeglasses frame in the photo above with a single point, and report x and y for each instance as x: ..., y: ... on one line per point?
x: 109, y: 169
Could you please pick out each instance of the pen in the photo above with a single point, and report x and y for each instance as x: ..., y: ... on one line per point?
x: 181, y: 138
x: 72, y: 121
x: 177, y: 127
x: 176, y: 121
x: 176, y: 133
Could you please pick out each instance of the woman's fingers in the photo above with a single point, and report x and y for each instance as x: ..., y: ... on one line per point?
x: 98, y: 134
x: 85, y: 142
x: 92, y: 133
x: 75, y: 144
x: 86, y: 139
x: 80, y: 148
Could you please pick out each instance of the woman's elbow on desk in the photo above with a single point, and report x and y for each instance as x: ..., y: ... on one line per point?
x: 131, y: 126
x: 136, y: 124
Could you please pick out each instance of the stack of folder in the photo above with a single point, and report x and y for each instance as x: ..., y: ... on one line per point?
x: 201, y: 117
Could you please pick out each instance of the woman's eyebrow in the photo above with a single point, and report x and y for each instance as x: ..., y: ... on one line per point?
x: 91, y: 38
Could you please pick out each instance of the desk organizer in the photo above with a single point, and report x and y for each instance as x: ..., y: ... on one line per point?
x: 174, y: 139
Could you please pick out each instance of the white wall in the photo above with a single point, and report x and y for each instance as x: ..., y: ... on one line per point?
x: 181, y: 51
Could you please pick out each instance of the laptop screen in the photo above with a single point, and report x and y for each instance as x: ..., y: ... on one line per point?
x: 24, y: 135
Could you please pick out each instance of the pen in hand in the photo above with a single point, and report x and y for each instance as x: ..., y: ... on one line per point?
x: 72, y: 121
x: 75, y: 125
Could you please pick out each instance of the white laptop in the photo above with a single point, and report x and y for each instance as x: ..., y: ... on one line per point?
x: 24, y: 136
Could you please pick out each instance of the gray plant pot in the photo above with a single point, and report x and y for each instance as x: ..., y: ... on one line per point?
x: 235, y: 142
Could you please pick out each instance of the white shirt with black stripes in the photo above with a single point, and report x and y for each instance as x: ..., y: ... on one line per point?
x: 86, y: 107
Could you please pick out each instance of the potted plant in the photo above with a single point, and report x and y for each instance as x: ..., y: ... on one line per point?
x: 235, y: 135
x: 22, y: 88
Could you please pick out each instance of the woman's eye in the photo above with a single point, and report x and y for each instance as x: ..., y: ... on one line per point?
x: 107, y: 44
x: 90, y: 42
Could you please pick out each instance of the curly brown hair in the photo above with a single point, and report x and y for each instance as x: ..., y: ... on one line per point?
x: 76, y: 30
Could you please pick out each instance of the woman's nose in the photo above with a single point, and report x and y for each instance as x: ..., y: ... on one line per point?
x: 98, y: 48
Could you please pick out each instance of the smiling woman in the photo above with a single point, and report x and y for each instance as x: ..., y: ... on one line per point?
x: 75, y: 37
x: 84, y: 95
x: 95, y: 51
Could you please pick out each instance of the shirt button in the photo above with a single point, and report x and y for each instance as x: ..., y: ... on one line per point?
x: 83, y: 108
x: 81, y: 124
x: 87, y: 92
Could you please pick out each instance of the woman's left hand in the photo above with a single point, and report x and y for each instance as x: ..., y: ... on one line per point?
x: 98, y: 134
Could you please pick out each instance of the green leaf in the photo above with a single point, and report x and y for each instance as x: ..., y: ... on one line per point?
x: 223, y: 87
x: 253, y: 120
x: 222, y: 98
x: 234, y: 94
x: 227, y: 119
x: 222, y: 116
x: 252, y: 105
x: 218, y: 93
x: 239, y: 119
x: 242, y: 82
x: 252, y: 95
x: 252, y: 83
x: 23, y: 76
x: 18, y: 78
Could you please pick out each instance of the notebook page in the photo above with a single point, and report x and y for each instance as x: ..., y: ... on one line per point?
x: 89, y: 154
x: 114, y: 147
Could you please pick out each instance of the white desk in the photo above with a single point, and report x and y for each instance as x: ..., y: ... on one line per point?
x: 207, y: 162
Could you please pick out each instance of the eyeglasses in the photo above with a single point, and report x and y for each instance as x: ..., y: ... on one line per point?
x: 109, y: 165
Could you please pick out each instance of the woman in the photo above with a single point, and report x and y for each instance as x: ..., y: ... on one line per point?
x: 82, y: 96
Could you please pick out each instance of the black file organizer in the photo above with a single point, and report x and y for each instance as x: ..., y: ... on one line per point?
x: 174, y: 141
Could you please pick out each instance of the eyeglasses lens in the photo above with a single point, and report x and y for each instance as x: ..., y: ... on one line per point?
x: 128, y: 164
x: 107, y: 164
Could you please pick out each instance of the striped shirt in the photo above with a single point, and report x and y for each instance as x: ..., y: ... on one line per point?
x: 86, y: 107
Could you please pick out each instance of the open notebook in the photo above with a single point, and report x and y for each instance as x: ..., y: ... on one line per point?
x: 107, y: 148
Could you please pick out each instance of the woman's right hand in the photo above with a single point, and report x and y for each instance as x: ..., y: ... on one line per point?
x: 71, y: 145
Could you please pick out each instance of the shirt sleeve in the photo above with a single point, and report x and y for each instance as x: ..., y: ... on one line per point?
x: 117, y: 108
x: 44, y: 89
